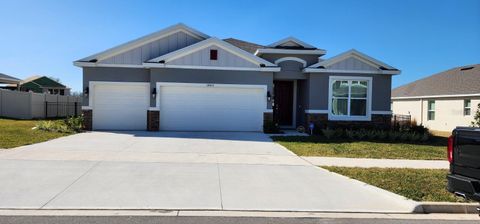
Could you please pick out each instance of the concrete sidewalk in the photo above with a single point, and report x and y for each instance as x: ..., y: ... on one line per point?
x: 380, y: 163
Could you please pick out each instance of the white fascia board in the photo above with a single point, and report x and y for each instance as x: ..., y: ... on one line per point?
x: 436, y: 96
x: 292, y: 39
x: 213, y: 41
x: 351, y: 53
x: 92, y: 64
x: 145, y: 39
x: 261, y: 69
x: 321, y: 70
x: 288, y: 51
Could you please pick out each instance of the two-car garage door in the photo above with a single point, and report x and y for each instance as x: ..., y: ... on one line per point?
x: 183, y: 107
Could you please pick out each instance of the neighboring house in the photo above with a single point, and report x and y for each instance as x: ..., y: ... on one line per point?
x: 442, y: 101
x: 6, y: 79
x: 184, y: 80
x: 41, y: 84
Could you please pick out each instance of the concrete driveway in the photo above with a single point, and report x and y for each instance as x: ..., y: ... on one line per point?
x: 178, y: 170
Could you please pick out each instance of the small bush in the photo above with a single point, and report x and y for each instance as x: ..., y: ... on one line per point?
x: 271, y: 128
x: 69, y: 125
x: 372, y: 134
x: 350, y: 134
x: 382, y: 135
x: 338, y: 133
x: 425, y: 137
x: 361, y: 134
x: 393, y: 135
x: 328, y: 133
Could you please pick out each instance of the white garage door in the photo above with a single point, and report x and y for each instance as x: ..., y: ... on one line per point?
x: 120, y: 106
x: 212, y: 108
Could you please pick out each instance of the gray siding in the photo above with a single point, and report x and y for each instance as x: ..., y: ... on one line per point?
x: 153, y: 49
x: 352, y: 64
x: 211, y: 76
x: 290, y: 70
x: 202, y: 58
x: 310, y: 59
x: 318, y: 90
x: 113, y: 75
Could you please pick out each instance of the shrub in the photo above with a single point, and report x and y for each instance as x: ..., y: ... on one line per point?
x: 414, y: 136
x: 371, y: 134
x: 350, y: 134
x: 338, y: 133
x: 393, y: 135
x: 382, y: 135
x: 476, y: 117
x: 361, y: 134
x: 271, y: 128
x: 69, y: 125
x: 404, y: 136
x: 328, y: 133
x: 425, y: 136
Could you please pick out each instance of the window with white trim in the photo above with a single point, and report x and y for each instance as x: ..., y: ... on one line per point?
x: 350, y: 98
x: 431, y: 110
x: 467, y: 107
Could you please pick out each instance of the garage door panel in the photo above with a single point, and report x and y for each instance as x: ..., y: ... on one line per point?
x: 120, y: 106
x: 211, y: 108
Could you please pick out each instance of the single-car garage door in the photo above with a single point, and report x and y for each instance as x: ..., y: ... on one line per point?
x: 209, y: 107
x: 120, y: 106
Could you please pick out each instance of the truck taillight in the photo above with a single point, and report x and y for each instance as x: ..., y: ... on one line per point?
x: 450, y: 149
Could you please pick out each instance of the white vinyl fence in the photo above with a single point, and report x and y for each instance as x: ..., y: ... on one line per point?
x: 27, y: 105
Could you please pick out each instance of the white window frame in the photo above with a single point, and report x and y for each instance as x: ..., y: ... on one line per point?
x: 368, y: 115
x: 465, y: 108
x: 431, y: 110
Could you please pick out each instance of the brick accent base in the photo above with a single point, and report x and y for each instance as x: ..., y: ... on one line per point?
x: 87, y: 120
x: 153, y: 120
x: 378, y: 121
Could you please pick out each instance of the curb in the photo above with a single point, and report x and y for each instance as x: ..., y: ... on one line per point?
x: 449, y: 207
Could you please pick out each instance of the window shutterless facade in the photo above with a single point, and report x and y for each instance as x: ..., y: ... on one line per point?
x: 431, y: 110
x: 467, y: 107
x: 350, y: 98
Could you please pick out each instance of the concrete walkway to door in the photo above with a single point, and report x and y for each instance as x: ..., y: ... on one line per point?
x: 179, y: 170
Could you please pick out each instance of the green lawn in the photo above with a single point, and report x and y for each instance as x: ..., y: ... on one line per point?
x: 14, y: 133
x: 434, y: 149
x: 416, y: 184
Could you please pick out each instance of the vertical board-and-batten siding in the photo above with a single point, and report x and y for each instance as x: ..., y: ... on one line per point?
x: 202, y: 58
x: 352, y: 64
x: 153, y: 49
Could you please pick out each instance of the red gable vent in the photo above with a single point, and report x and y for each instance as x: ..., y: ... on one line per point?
x: 213, y: 54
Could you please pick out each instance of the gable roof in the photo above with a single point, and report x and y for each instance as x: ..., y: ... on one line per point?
x: 143, y: 40
x: 463, y: 80
x: 302, y: 44
x: 41, y: 81
x: 8, y: 79
x: 209, y: 42
x: 382, y: 67
x: 244, y: 45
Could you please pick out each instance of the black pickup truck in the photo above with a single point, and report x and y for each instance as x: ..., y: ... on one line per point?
x: 464, y: 157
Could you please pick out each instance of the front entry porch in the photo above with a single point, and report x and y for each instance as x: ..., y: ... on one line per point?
x: 288, y: 109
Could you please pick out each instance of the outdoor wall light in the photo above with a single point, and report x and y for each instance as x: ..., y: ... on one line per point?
x: 154, y: 92
x: 85, y: 92
x: 269, y: 96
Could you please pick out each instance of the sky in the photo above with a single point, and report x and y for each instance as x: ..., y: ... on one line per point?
x: 419, y: 37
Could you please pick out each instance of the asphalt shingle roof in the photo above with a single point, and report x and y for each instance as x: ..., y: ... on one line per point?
x: 244, y: 45
x: 8, y: 79
x: 456, y: 81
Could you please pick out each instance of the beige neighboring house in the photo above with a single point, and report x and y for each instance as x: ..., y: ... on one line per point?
x: 442, y: 101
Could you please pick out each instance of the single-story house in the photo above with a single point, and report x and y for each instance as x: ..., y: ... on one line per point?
x: 40, y: 84
x: 6, y: 79
x: 442, y: 101
x: 184, y: 80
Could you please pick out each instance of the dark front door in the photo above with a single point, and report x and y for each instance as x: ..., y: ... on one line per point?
x: 283, y: 99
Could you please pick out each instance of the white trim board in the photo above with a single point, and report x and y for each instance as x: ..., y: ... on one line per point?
x: 280, y: 60
x: 367, y: 117
x: 321, y: 70
x: 291, y: 39
x: 180, y: 27
x: 382, y: 112
x: 435, y: 96
x: 288, y: 51
x: 213, y: 41
x: 262, y: 69
x: 316, y: 111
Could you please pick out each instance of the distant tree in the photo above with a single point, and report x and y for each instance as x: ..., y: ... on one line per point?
x: 55, y: 79
x: 476, y: 117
